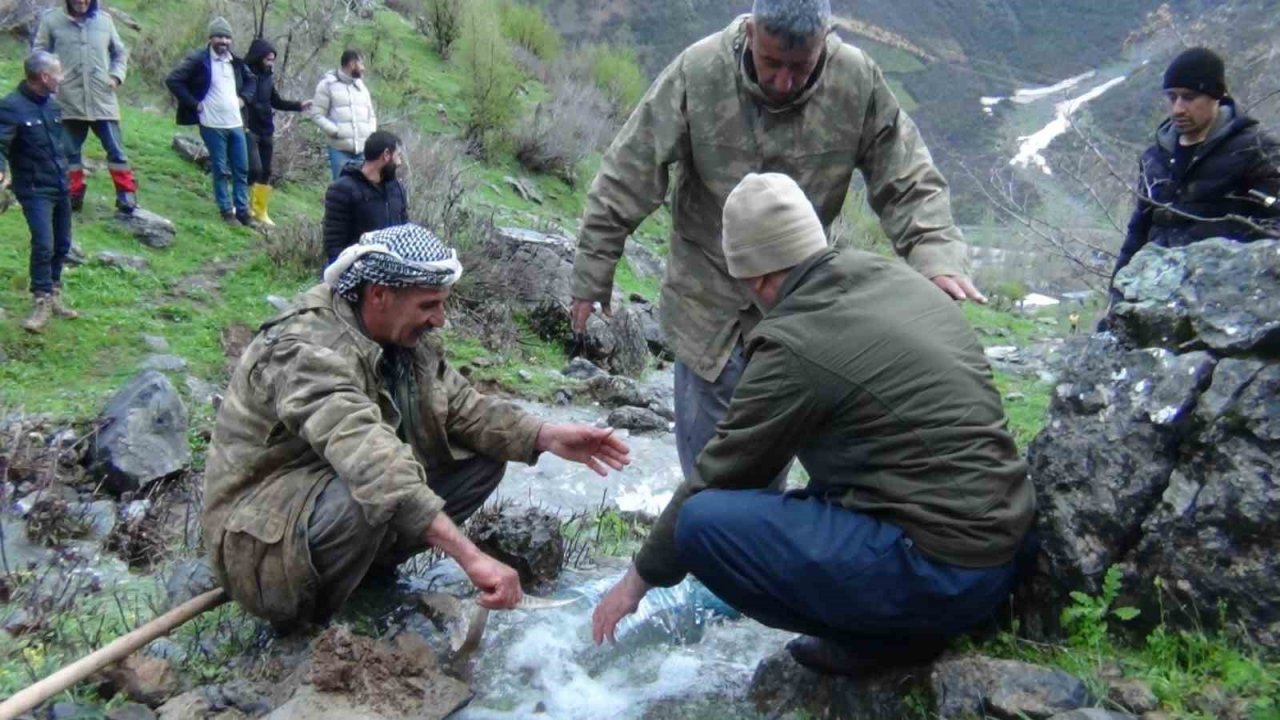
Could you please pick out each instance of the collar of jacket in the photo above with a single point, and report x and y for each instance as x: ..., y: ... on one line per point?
x: 737, y: 41
x: 321, y: 298
x: 798, y: 274
x: 345, y: 79
x: 32, y: 95
x: 1228, y: 123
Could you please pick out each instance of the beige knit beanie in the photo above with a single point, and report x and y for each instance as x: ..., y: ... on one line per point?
x: 769, y: 225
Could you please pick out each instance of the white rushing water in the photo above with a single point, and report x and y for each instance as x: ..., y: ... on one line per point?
x: 1031, y: 147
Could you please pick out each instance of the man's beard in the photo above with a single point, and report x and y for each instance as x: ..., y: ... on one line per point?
x: 388, y: 172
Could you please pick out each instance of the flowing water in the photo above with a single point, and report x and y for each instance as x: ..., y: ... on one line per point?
x: 683, y: 654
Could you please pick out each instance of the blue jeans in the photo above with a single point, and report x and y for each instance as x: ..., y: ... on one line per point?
x: 701, y: 405
x: 49, y: 219
x: 108, y: 132
x: 338, y: 159
x: 803, y: 564
x: 228, y: 162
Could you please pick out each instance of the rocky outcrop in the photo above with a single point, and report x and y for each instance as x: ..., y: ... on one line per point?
x: 976, y: 686
x: 1162, y: 446
x: 529, y: 541
x: 141, y: 436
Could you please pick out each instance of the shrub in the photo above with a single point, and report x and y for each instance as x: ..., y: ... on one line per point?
x: 528, y: 27
x: 434, y: 180
x: 564, y: 130
x: 490, y: 77
x: 617, y: 72
x: 442, y: 21
x: 297, y: 247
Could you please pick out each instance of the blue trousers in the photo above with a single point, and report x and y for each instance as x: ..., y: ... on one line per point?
x: 108, y: 132
x: 701, y: 405
x: 805, y: 565
x: 229, y: 165
x: 49, y: 220
x: 338, y: 159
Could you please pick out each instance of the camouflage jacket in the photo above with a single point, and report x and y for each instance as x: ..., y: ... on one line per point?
x: 706, y: 116
x: 307, y: 402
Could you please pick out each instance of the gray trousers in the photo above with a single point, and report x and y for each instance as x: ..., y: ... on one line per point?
x: 701, y: 405
x: 344, y: 546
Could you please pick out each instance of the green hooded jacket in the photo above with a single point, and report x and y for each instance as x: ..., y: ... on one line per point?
x: 93, y: 59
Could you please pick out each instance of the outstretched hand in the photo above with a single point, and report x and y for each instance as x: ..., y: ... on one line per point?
x: 621, y: 600
x: 591, y: 446
x: 959, y: 288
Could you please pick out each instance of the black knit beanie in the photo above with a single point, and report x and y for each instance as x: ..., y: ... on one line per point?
x: 1198, y: 69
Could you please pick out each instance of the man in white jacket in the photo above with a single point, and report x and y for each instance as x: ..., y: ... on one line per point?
x: 343, y: 108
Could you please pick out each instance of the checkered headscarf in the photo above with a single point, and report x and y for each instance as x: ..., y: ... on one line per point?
x: 399, y: 256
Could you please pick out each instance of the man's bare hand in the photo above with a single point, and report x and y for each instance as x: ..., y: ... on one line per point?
x: 959, y: 288
x: 499, y: 584
x: 581, y: 310
x: 621, y: 600
x: 591, y: 446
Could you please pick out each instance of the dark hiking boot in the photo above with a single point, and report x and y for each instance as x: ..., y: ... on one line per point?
x: 830, y: 657
x: 126, y: 203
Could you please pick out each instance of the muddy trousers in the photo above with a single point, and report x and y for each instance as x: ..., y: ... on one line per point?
x: 344, y: 546
x: 803, y: 564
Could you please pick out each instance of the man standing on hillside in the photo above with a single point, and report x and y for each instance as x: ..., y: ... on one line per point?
x: 1212, y: 171
x: 211, y: 86
x: 260, y: 125
x: 918, y: 501
x: 343, y: 108
x: 347, y: 442
x: 34, y: 143
x: 95, y: 61
x: 366, y: 197
x: 773, y: 92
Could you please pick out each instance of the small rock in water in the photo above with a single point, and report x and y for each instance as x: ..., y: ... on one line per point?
x: 581, y: 368
x: 637, y: 420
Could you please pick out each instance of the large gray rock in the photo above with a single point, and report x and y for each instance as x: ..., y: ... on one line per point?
x: 192, y: 150
x: 1162, y: 447
x: 641, y: 420
x: 529, y: 541
x: 532, y: 272
x: 781, y: 687
x: 142, y: 435
x: 149, y: 228
x: 973, y: 685
x: 1216, y: 294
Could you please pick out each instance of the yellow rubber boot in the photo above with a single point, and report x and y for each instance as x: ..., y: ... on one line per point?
x: 264, y: 201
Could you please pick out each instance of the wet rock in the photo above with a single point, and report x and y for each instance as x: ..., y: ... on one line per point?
x: 148, y: 228
x: 612, y: 391
x: 1134, y: 696
x: 581, y: 368
x: 142, y: 678
x: 358, y: 678
x: 781, y: 686
x: 142, y: 435
x: 122, y: 261
x: 164, y: 363
x: 977, y: 685
x: 639, y: 420
x: 187, y: 706
x: 189, y: 579
x: 528, y: 540
x: 1216, y: 294
x: 192, y: 150
x: 132, y: 711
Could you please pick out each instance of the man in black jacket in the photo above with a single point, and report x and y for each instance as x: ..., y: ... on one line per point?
x: 35, y: 145
x: 1212, y: 171
x: 260, y: 124
x: 212, y: 86
x: 365, y: 197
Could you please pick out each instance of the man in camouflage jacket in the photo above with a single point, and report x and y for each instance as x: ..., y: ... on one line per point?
x: 773, y: 92
x: 347, y: 442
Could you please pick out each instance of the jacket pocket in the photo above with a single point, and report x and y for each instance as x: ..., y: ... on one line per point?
x: 255, y: 558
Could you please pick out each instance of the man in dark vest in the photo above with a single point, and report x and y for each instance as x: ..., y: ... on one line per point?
x: 1212, y: 171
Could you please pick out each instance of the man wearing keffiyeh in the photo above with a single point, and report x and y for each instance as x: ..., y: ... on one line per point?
x: 346, y: 442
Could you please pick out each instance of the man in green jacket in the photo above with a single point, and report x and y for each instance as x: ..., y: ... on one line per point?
x: 773, y: 92
x: 95, y: 61
x: 346, y: 442
x: 917, y: 501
